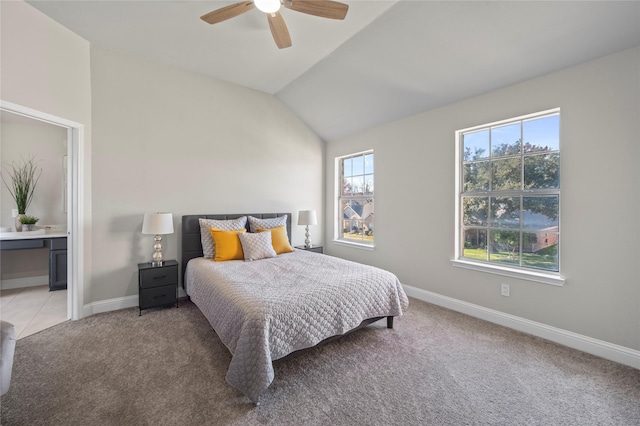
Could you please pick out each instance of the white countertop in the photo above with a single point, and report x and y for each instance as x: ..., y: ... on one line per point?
x: 30, y: 235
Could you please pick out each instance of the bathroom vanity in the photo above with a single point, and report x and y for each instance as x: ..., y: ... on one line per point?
x: 55, y: 241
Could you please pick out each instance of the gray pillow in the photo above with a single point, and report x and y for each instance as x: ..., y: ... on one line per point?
x: 208, y: 248
x: 274, y: 222
x: 257, y: 246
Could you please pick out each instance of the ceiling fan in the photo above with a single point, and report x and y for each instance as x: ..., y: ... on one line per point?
x: 323, y: 8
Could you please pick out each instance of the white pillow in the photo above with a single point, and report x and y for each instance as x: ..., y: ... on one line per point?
x: 257, y: 246
x: 273, y: 222
x: 208, y: 248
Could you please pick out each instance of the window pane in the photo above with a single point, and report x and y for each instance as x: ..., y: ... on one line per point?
x: 368, y: 184
x: 542, y: 171
x: 542, y: 134
x: 540, y: 250
x: 358, y: 165
x: 505, y: 140
x: 360, y: 223
x: 358, y: 184
x: 345, y: 227
x: 476, y: 176
x: 367, y: 226
x: 367, y: 211
x: 475, y: 211
x: 540, y: 212
x: 350, y: 229
x: 368, y: 164
x: 505, y: 212
x: 475, y: 145
x: 475, y: 244
x: 350, y: 209
x: 346, y: 167
x: 347, y: 186
x: 505, y: 247
x: 354, y: 230
x: 506, y: 174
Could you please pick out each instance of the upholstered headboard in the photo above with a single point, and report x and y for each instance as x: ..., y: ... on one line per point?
x: 191, y: 245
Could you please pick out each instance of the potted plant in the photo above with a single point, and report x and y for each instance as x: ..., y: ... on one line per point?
x: 28, y: 222
x: 23, y: 180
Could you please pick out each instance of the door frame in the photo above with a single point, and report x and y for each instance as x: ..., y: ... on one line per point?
x: 75, y: 202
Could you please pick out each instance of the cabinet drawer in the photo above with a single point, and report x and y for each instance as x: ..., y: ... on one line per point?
x: 315, y: 249
x: 157, y: 277
x: 22, y: 244
x: 157, y: 296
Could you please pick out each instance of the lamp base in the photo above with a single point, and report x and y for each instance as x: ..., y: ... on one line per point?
x: 307, y: 241
x: 157, y: 251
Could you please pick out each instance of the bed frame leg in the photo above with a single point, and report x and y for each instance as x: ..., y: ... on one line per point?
x: 389, y: 322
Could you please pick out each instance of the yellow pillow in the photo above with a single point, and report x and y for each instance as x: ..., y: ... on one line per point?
x: 279, y: 239
x: 227, y: 244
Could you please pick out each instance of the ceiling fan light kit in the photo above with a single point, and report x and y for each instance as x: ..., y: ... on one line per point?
x: 323, y: 8
x: 267, y: 6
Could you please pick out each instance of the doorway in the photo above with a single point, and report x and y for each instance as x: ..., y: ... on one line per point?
x: 30, y: 299
x: 74, y: 201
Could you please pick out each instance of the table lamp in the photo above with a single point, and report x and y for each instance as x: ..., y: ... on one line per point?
x: 157, y: 224
x: 307, y: 217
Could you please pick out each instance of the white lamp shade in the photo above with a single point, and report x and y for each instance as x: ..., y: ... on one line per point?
x: 157, y: 223
x: 307, y: 217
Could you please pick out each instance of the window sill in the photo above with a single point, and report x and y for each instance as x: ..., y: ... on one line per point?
x: 355, y: 245
x: 541, y: 277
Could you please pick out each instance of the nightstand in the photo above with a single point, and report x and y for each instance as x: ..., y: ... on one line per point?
x: 315, y: 249
x: 157, y: 285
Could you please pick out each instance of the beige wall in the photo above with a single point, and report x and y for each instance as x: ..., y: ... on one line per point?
x: 414, y: 160
x: 170, y: 140
x: 44, y: 65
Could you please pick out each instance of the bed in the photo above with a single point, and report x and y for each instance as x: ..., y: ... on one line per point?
x: 267, y: 309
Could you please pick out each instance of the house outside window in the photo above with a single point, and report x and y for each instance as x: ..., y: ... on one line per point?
x: 508, y: 201
x: 355, y: 221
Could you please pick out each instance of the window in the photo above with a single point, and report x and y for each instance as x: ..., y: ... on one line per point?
x: 508, y: 203
x: 355, y: 198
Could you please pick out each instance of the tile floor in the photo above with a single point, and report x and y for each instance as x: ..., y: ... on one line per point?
x: 33, y: 309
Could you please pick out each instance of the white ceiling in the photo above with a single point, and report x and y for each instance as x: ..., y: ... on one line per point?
x: 385, y: 61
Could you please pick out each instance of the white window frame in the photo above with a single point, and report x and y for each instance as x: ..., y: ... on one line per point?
x: 541, y: 276
x: 338, y: 214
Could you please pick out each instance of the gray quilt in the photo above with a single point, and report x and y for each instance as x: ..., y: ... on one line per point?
x: 266, y: 309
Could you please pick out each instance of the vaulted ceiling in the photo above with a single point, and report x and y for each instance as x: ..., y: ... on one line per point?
x: 385, y: 61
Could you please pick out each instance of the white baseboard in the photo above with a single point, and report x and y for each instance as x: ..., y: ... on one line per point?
x: 118, y: 303
x: 110, y: 305
x: 24, y: 282
x: 573, y: 340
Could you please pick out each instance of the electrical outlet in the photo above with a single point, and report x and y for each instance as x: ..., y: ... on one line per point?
x: 505, y: 290
x: 14, y: 212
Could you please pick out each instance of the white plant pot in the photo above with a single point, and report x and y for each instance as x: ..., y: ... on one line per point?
x: 18, y: 223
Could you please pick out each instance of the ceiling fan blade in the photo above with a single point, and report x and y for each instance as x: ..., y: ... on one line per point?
x: 323, y: 8
x: 279, y: 30
x: 227, y: 12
